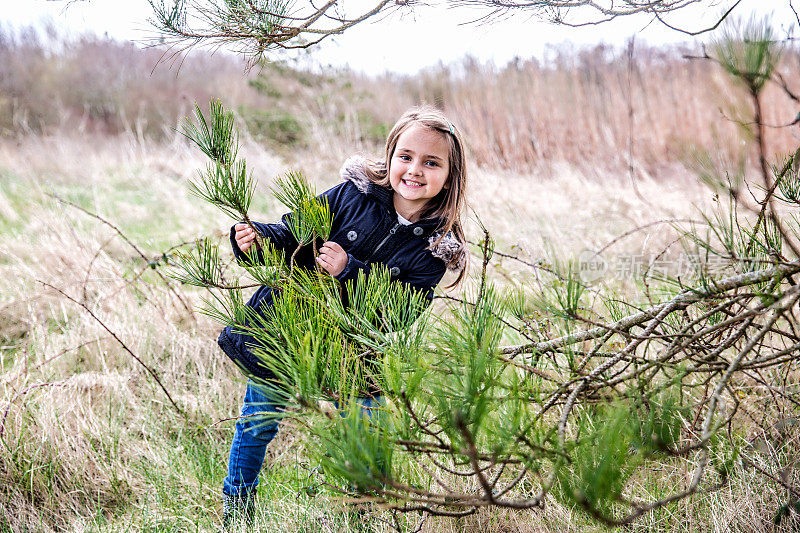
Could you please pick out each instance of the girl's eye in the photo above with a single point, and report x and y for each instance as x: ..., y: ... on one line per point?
x: 433, y: 163
x: 404, y: 157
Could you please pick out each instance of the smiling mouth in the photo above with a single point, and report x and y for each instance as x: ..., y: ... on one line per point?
x: 410, y: 183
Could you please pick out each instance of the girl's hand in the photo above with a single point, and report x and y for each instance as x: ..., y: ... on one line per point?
x: 332, y: 258
x: 244, y: 236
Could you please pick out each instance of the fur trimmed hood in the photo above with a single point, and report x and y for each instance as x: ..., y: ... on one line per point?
x: 354, y: 171
x: 447, y: 249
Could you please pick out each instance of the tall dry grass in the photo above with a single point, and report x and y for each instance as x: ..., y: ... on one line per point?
x: 96, y: 84
x: 642, y: 107
x: 641, y: 110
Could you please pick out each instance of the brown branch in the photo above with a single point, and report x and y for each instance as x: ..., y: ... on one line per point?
x: 793, y: 490
x: 130, y: 243
x: 67, y: 350
x: 699, y: 32
x: 121, y: 343
x: 683, y: 299
x: 642, y: 227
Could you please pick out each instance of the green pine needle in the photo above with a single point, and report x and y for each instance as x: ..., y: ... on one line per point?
x: 216, y: 137
x: 200, y: 267
x: 749, y: 53
x: 293, y: 190
x: 230, y: 188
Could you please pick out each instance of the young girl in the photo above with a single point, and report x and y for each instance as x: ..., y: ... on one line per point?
x: 403, y: 212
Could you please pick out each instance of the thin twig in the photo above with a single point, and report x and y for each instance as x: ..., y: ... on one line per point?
x: 121, y: 343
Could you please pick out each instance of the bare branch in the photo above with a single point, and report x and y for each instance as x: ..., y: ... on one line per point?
x: 699, y: 32
x: 683, y: 299
x: 121, y: 343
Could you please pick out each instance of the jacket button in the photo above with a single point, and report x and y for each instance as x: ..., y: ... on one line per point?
x: 418, y: 231
x: 395, y: 271
x: 352, y: 235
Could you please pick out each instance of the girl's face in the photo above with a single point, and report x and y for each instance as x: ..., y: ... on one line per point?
x: 418, y: 170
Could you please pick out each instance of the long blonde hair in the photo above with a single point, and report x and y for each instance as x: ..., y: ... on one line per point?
x: 449, y: 204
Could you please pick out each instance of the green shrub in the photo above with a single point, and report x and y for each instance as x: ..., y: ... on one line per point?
x: 276, y: 127
x: 264, y: 86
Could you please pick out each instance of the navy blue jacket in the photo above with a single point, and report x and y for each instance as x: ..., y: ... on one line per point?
x: 365, y: 225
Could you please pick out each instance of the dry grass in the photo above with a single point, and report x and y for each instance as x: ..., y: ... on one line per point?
x: 91, y: 443
x: 81, y: 410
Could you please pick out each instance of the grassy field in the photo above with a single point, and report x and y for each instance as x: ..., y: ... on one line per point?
x: 89, y: 441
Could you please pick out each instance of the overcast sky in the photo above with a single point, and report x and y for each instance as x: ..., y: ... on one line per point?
x: 418, y: 38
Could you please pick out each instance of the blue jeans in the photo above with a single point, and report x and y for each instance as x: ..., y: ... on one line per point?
x: 254, y: 433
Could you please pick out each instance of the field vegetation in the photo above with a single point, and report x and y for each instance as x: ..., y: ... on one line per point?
x: 568, y: 154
